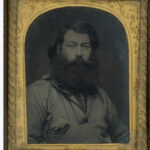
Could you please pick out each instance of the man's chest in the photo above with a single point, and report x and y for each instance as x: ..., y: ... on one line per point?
x: 70, y: 109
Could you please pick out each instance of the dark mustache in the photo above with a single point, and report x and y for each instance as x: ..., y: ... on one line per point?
x: 80, y: 61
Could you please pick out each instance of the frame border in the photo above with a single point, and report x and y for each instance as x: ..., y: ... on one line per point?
x: 10, y: 89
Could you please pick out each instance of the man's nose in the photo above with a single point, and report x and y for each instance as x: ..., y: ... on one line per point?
x: 79, y: 52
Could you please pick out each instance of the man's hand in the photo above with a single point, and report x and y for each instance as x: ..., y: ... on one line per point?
x: 85, y: 133
x: 59, y: 124
x: 55, y: 129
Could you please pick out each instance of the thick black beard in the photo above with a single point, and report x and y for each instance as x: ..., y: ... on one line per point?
x: 78, y: 76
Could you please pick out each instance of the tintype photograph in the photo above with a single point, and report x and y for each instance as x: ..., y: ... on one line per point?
x: 77, y: 75
x: 77, y: 78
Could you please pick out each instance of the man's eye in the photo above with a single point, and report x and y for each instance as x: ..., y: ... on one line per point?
x: 86, y: 46
x: 71, y: 45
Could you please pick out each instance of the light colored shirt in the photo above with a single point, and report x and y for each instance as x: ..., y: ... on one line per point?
x: 50, y: 106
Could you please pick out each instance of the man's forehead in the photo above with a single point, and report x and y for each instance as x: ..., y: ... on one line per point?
x: 76, y: 37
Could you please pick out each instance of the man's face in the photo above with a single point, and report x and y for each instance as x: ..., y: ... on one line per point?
x: 73, y: 66
x: 76, y: 45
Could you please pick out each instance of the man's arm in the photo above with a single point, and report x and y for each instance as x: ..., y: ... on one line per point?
x: 36, y: 98
x: 42, y: 128
x: 117, y: 129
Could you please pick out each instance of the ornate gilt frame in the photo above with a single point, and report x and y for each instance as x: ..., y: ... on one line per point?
x: 131, y: 13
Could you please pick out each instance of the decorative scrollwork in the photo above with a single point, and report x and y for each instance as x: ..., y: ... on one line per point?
x: 133, y: 14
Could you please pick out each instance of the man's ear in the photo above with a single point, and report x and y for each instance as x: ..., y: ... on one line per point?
x: 58, y: 49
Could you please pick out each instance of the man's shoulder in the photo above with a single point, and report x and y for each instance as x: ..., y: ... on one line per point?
x: 39, y: 86
x: 102, y: 92
x: 104, y: 96
x: 39, y: 83
x: 38, y: 92
x: 100, y: 89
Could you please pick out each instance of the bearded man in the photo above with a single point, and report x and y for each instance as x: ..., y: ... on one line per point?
x: 68, y: 105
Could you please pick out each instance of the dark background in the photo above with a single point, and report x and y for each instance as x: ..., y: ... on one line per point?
x: 113, y: 50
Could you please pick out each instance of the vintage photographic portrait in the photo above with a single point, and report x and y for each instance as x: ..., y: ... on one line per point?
x: 87, y: 51
x: 80, y: 81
